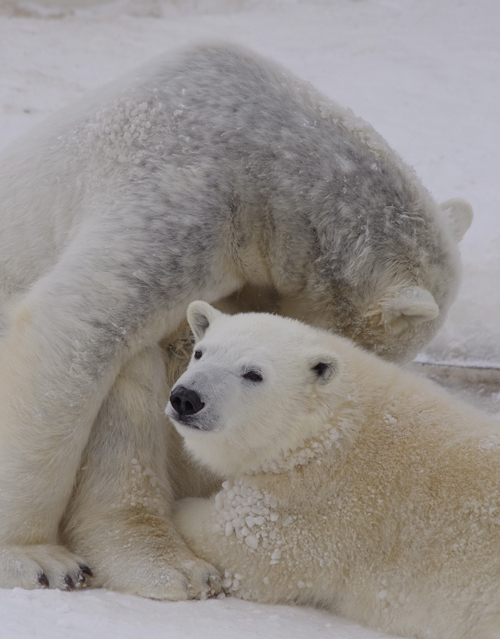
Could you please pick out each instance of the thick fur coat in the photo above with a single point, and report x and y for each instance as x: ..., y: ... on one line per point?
x: 212, y: 175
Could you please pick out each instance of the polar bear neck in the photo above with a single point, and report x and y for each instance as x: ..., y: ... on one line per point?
x: 341, y: 422
x: 308, y: 451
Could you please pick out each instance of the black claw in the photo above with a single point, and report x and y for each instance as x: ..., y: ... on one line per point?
x: 42, y: 580
x: 213, y: 582
x: 69, y: 583
x: 85, y: 570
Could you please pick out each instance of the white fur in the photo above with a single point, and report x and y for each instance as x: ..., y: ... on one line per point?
x: 372, y: 493
x: 213, y: 174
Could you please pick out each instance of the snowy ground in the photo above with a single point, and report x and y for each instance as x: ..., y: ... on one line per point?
x: 426, y: 74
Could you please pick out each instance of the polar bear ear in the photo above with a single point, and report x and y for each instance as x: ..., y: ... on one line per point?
x: 199, y: 316
x: 413, y: 302
x: 324, y: 367
x: 458, y: 214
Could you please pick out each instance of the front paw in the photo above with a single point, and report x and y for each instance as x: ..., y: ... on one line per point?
x: 175, y: 579
x: 203, y: 579
x: 42, y: 566
x: 190, y: 517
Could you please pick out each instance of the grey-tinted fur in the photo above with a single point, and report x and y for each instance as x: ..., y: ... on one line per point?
x: 212, y: 174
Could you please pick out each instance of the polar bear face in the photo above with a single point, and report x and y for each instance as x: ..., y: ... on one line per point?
x: 253, y: 390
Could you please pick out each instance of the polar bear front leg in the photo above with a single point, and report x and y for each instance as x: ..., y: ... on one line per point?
x: 65, y: 345
x: 194, y: 518
x: 49, y: 397
x: 273, y: 574
x: 121, y: 285
x: 119, y: 517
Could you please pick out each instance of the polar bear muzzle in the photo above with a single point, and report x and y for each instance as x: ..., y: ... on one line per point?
x: 185, y: 402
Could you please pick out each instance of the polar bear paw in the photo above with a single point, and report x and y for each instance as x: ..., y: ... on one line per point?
x: 203, y: 579
x: 193, y: 579
x: 42, y: 566
x: 162, y: 579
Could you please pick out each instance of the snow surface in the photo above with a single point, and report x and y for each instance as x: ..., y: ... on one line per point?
x: 424, y: 73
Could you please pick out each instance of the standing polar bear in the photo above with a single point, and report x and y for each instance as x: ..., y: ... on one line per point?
x: 214, y: 174
x: 350, y: 484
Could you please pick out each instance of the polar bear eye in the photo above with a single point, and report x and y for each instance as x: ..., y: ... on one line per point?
x: 253, y: 376
x: 197, y: 354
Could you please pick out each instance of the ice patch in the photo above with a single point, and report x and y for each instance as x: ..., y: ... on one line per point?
x: 245, y: 512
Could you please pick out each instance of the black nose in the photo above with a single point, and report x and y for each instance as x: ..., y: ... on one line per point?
x: 185, y: 401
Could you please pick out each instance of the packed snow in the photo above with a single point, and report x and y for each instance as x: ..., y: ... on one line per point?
x: 425, y: 74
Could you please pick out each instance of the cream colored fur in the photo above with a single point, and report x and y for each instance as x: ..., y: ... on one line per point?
x: 372, y: 494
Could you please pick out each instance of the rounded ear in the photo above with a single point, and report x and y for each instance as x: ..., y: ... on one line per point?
x: 458, y: 214
x: 412, y: 302
x: 324, y: 367
x: 199, y: 316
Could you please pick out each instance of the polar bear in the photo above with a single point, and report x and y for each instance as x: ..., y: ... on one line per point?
x: 350, y: 484
x: 214, y: 175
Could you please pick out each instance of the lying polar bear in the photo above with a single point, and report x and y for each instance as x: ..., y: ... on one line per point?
x: 350, y: 484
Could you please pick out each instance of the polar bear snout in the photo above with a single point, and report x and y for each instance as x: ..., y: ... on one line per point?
x: 185, y: 402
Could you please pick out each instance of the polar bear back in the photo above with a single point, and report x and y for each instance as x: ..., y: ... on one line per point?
x: 239, y: 163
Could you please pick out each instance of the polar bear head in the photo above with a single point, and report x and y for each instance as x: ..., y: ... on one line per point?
x: 386, y: 282
x: 257, y: 386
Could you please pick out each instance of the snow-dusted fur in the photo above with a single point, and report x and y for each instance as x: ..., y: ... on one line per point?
x: 212, y: 174
x: 350, y: 484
